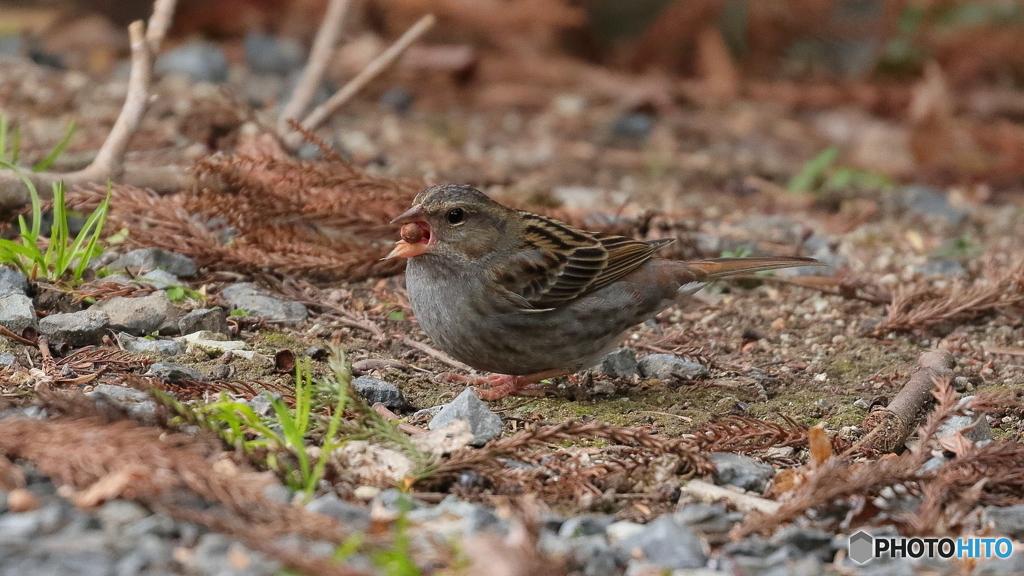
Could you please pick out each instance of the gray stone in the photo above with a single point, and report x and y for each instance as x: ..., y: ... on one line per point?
x: 116, y: 514
x: 261, y: 404
x: 809, y: 541
x: 373, y: 390
x: 619, y: 364
x: 741, y: 471
x: 139, y: 316
x: 974, y: 426
x: 585, y: 525
x: 664, y: 366
x: 201, y: 61
x: 161, y: 279
x: 75, y: 328
x: 17, y: 312
x: 396, y: 99
x: 169, y: 371
x: 145, y: 345
x: 146, y: 259
x: 347, y: 513
x: 6, y: 359
x: 929, y: 202
x: 1007, y: 520
x: 632, y: 126
x: 940, y: 268
x: 210, y: 319
x: 119, y: 393
x: 266, y: 54
x: 278, y: 493
x: 12, y: 282
x: 484, y: 424
x: 247, y: 296
x: 665, y: 542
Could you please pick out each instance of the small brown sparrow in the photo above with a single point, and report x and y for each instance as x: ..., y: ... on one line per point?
x: 529, y: 297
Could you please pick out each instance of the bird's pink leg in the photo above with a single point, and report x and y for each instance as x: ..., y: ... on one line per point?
x: 502, y: 385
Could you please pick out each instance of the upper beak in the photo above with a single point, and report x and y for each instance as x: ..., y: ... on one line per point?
x: 414, y: 214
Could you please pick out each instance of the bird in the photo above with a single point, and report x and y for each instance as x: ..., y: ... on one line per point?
x: 528, y: 297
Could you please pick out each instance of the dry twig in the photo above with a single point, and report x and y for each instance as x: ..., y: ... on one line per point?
x: 313, y: 73
x: 375, y: 67
x: 145, y: 41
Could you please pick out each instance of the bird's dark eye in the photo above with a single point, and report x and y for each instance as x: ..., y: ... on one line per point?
x: 456, y: 216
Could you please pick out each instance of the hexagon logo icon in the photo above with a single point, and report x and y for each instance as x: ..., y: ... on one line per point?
x: 861, y: 545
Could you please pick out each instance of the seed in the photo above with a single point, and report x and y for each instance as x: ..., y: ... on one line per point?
x: 412, y: 233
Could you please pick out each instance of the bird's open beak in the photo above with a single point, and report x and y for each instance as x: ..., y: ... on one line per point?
x: 404, y: 249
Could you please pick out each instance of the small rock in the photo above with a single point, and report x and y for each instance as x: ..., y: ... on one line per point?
x: 261, y: 404
x: 940, y: 268
x: 664, y: 366
x: 373, y: 390
x: 974, y: 426
x: 170, y: 372
x: 266, y: 54
x: 146, y: 345
x: 741, y: 471
x: 119, y: 393
x: 210, y: 319
x: 139, y: 316
x: 6, y: 359
x: 161, y: 279
x: 444, y: 440
x: 12, y: 282
x: 396, y: 99
x: 1007, y: 520
x: 484, y: 424
x: 664, y: 542
x: 75, y: 328
x: 861, y: 403
x: 632, y: 126
x: 246, y: 296
x: 115, y: 515
x: 622, y: 530
x: 147, y: 259
x: 619, y: 364
x: 17, y: 313
x: 806, y: 540
x: 367, y: 493
x: 201, y: 61
x: 585, y: 525
x: 278, y: 493
x: 207, y: 341
x: 928, y: 202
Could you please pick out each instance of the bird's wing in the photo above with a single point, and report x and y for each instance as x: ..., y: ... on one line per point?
x: 557, y: 262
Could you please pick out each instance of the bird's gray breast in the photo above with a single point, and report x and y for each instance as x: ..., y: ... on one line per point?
x: 468, y: 319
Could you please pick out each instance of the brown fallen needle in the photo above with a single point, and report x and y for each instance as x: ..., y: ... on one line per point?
x: 888, y: 427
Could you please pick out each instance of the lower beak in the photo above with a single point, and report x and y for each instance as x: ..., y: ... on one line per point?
x: 404, y: 249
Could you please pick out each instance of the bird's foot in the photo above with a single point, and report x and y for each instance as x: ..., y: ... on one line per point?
x: 499, y: 386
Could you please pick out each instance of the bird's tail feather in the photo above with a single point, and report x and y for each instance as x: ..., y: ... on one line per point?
x: 715, y: 268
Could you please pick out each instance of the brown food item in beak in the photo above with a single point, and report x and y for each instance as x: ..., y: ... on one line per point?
x: 412, y: 232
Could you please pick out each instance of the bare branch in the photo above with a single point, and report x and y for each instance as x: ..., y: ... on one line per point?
x: 323, y: 48
x: 320, y: 113
x: 109, y: 161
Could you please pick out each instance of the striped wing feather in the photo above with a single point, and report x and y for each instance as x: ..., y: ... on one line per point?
x: 557, y: 262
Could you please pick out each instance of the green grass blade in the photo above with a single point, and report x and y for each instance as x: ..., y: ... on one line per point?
x: 98, y: 219
x: 3, y: 136
x: 45, y: 163
x: 813, y: 171
x: 16, y: 145
x: 57, y: 257
x: 37, y: 210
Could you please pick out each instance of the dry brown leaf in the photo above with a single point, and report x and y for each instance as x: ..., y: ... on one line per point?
x: 819, y: 444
